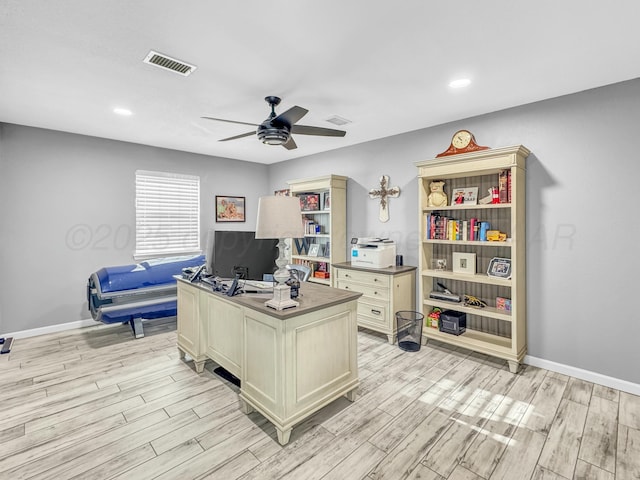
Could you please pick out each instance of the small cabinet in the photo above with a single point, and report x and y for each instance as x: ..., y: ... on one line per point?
x: 384, y: 292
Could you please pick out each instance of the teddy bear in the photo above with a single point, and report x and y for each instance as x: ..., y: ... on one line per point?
x: 437, y: 197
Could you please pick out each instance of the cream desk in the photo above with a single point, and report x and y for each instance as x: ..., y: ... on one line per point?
x: 290, y: 363
x: 384, y: 292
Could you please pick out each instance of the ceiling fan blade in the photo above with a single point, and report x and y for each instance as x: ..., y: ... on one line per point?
x: 291, y: 116
x: 326, y: 132
x: 238, y: 136
x: 230, y: 121
x: 290, y: 144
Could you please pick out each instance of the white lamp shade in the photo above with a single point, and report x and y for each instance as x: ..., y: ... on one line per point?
x: 279, y: 217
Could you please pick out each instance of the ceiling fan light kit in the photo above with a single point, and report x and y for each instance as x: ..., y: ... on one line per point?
x: 277, y: 129
x: 273, y: 136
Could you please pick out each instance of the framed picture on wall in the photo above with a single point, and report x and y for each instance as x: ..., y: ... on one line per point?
x: 282, y: 193
x: 230, y: 209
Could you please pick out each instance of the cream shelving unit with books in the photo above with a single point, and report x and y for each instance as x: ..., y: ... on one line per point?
x: 493, y: 331
x: 331, y: 222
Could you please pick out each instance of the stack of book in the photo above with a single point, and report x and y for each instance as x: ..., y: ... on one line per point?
x: 443, y: 227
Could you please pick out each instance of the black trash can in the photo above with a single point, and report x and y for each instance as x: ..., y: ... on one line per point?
x: 409, y: 330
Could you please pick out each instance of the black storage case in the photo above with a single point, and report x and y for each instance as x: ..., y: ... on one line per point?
x: 452, y: 322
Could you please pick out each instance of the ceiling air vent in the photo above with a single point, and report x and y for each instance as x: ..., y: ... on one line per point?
x: 168, y: 63
x: 338, y: 120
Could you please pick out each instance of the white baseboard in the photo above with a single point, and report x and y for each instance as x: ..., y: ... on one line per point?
x: 34, y: 332
x: 586, y: 375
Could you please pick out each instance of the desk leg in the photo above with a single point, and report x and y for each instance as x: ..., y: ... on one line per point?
x: 199, y: 366
x: 283, y: 436
x: 181, y: 353
x: 245, y: 407
x: 351, y: 395
x: 391, y: 339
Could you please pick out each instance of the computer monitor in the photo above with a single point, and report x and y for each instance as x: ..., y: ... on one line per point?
x: 233, y: 253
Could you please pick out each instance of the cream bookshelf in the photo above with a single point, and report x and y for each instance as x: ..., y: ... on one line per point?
x: 495, y: 332
x: 331, y: 221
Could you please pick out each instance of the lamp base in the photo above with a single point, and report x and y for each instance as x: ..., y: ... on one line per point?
x: 281, y: 298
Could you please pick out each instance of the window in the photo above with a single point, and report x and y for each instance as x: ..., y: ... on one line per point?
x: 167, y: 214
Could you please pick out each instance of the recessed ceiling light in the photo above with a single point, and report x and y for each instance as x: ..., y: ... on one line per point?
x: 122, y: 111
x: 460, y: 83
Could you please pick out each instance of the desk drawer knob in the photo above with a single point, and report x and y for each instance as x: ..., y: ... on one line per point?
x: 377, y: 312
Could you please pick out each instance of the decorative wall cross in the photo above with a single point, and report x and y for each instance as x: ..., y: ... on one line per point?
x: 383, y: 193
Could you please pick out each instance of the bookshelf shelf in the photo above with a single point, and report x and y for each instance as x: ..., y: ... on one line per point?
x: 477, y: 278
x: 490, y: 330
x: 453, y: 208
x: 475, y: 243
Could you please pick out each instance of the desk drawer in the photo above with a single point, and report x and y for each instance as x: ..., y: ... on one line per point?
x: 370, y: 278
x: 379, y: 293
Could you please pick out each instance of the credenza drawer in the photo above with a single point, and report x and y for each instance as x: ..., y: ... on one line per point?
x: 370, y: 278
x: 372, y: 314
x: 379, y: 293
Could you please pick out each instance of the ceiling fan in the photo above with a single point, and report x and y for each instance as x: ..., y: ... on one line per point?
x: 277, y: 129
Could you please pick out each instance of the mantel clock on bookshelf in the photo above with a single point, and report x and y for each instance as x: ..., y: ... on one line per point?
x: 474, y: 249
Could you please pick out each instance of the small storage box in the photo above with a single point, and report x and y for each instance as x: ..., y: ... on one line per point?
x: 453, y: 322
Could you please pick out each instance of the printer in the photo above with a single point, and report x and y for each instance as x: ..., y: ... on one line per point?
x: 373, y: 252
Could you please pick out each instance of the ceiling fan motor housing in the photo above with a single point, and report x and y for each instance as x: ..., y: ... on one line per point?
x: 272, y: 135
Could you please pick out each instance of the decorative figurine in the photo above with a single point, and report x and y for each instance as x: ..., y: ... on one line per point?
x: 437, y: 197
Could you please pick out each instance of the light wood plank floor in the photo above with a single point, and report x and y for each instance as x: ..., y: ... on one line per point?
x: 95, y: 403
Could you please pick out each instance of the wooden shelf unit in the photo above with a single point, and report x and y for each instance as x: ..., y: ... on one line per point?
x: 489, y: 330
x: 332, y: 221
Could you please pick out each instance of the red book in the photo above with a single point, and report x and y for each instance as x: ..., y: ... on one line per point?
x: 503, y: 192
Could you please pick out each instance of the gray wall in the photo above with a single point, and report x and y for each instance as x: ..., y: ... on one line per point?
x: 582, y: 227
x: 581, y: 224
x: 68, y: 210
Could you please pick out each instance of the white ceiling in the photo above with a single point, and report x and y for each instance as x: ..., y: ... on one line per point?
x: 65, y: 64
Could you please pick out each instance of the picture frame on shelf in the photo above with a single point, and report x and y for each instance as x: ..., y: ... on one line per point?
x: 230, y: 209
x: 464, y: 196
x: 285, y: 192
x: 314, y: 249
x: 499, y: 267
x: 309, y: 202
x: 326, y: 201
x: 439, y: 264
x: 327, y: 250
x: 464, y: 263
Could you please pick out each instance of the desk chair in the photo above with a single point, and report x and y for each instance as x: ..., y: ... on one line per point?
x: 303, y: 271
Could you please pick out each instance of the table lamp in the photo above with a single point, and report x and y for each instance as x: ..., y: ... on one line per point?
x: 280, y: 217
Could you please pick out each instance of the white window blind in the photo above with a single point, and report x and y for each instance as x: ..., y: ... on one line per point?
x: 167, y: 214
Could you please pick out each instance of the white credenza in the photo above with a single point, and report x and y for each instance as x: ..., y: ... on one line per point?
x: 385, y: 291
x: 291, y: 363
